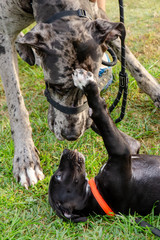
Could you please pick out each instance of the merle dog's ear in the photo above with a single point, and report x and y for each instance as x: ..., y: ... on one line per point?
x: 104, y: 31
x: 25, y: 51
x: 34, y: 39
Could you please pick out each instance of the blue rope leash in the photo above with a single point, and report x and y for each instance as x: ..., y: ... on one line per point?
x: 103, y: 70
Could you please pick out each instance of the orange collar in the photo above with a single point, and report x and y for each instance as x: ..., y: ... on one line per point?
x: 99, y: 198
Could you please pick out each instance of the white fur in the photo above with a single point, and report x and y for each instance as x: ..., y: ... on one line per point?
x: 81, y: 78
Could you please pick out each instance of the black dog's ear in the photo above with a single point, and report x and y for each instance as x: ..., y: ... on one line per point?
x: 104, y: 31
x: 77, y: 218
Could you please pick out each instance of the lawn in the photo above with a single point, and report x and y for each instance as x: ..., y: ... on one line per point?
x: 26, y: 214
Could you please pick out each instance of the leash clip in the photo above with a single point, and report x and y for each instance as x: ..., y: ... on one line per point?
x: 123, y: 79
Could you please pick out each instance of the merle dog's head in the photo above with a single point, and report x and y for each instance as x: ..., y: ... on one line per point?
x: 68, y: 188
x: 63, y: 46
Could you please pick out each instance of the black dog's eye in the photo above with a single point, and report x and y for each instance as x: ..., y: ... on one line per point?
x: 58, y: 177
x: 80, y: 160
x: 58, y: 204
x: 76, y: 181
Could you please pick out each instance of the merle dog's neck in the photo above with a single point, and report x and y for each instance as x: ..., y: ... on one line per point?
x: 43, y: 10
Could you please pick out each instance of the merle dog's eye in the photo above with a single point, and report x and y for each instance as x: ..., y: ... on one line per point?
x: 61, y: 91
x: 58, y: 90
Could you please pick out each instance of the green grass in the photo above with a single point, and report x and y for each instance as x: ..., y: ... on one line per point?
x: 27, y: 214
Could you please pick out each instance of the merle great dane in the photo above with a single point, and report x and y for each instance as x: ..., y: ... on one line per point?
x: 63, y: 43
x: 127, y: 182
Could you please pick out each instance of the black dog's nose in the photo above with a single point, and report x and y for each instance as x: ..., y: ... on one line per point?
x: 65, y: 151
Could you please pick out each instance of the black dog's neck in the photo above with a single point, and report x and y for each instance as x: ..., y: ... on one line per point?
x: 92, y: 206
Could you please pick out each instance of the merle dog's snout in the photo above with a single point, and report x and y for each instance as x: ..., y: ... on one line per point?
x: 72, y: 135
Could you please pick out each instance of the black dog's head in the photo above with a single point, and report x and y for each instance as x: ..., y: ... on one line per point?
x: 68, y: 187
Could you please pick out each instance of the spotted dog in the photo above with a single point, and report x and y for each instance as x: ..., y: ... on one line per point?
x: 62, y: 44
x: 127, y: 183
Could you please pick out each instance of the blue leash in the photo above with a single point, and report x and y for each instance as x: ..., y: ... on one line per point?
x: 103, y: 71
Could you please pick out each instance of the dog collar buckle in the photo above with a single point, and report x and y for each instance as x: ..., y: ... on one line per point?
x: 80, y: 13
x: 83, y: 13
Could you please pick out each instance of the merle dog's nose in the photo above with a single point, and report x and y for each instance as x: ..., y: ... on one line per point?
x: 70, y: 136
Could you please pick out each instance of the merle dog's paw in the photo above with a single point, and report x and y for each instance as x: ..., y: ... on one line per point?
x: 81, y: 78
x: 157, y: 102
x: 26, y: 165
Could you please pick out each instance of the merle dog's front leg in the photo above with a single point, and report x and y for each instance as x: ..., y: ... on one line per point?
x: 112, y: 137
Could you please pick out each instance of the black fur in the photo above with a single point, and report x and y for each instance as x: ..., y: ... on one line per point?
x: 128, y: 183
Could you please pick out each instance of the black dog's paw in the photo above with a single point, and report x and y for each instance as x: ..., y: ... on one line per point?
x: 81, y: 78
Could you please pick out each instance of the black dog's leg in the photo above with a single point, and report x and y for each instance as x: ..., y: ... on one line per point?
x: 112, y: 137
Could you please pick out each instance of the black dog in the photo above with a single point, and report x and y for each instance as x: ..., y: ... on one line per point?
x: 128, y: 183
